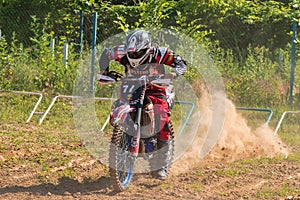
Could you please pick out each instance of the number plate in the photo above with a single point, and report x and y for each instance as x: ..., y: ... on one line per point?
x: 131, y: 90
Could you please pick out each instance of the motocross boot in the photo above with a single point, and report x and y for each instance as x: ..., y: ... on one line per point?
x: 161, y: 161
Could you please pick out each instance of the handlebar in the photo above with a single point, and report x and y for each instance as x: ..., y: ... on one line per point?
x: 161, y: 79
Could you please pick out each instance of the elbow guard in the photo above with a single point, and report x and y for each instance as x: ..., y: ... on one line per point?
x: 180, y: 65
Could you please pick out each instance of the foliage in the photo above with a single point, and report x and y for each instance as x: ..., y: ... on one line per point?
x: 236, y: 24
x: 260, y: 81
x: 248, y: 40
x: 35, y: 69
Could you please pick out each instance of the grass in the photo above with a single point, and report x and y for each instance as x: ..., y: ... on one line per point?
x: 265, y: 178
x: 47, y: 148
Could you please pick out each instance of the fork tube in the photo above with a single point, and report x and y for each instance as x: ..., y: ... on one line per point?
x: 135, y: 143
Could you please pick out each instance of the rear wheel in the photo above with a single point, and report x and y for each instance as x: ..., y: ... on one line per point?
x: 172, y: 146
x: 121, y: 162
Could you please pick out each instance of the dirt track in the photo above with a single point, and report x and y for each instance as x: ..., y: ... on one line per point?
x: 224, y: 174
x: 232, y: 170
x: 209, y: 181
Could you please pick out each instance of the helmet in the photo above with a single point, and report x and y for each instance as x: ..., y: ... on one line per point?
x: 137, y: 47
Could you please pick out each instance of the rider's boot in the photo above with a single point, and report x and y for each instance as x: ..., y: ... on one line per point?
x: 162, y: 159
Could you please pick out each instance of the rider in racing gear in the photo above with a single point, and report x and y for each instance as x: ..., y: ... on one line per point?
x: 140, y: 58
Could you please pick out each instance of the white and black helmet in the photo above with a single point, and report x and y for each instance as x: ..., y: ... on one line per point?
x: 137, y: 47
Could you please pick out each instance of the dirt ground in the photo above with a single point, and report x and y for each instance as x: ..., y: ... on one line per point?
x: 205, y: 181
x: 244, y: 164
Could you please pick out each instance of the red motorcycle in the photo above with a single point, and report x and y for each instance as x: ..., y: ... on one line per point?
x: 135, y: 126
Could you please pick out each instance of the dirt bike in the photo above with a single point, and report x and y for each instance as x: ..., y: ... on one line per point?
x: 135, y: 127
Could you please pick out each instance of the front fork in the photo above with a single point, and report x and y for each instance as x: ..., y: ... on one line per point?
x: 135, y: 141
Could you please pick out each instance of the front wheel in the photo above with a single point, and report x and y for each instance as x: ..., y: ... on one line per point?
x: 121, y: 162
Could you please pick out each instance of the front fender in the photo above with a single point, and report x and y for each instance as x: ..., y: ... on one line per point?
x: 119, y: 114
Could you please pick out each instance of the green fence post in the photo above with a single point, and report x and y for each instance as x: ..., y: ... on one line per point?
x: 293, y: 62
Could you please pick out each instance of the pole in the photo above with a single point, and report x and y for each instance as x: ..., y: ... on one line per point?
x: 293, y: 63
x: 52, y: 44
x: 66, y: 49
x: 81, y: 31
x: 93, y: 50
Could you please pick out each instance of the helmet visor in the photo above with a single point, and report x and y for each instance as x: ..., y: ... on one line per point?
x: 136, y: 54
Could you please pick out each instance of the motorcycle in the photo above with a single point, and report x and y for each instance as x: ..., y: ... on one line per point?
x: 135, y: 126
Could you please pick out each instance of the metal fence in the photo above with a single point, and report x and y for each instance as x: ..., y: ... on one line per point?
x: 22, y: 26
x: 77, y: 28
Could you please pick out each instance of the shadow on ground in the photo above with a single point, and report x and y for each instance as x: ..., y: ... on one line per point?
x: 66, y: 186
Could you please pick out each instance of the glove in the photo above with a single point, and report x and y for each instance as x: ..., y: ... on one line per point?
x: 103, y: 79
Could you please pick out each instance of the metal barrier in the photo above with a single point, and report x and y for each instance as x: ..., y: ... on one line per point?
x: 70, y: 97
x: 188, y: 114
x: 112, y: 99
x: 259, y: 109
x: 28, y: 93
x: 44, y: 114
x: 282, y: 117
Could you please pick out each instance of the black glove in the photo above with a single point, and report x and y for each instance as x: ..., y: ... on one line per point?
x: 115, y: 75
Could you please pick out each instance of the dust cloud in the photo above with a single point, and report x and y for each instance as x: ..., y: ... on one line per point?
x: 236, y: 140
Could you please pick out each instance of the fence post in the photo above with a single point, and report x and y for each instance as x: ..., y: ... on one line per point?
x: 93, y: 50
x: 293, y: 62
x: 81, y: 31
x: 65, y: 59
x: 52, y: 44
x: 0, y: 34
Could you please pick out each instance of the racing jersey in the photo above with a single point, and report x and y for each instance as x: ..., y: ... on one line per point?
x: 153, y: 65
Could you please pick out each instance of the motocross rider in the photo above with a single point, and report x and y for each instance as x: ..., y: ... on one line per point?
x: 140, y: 58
